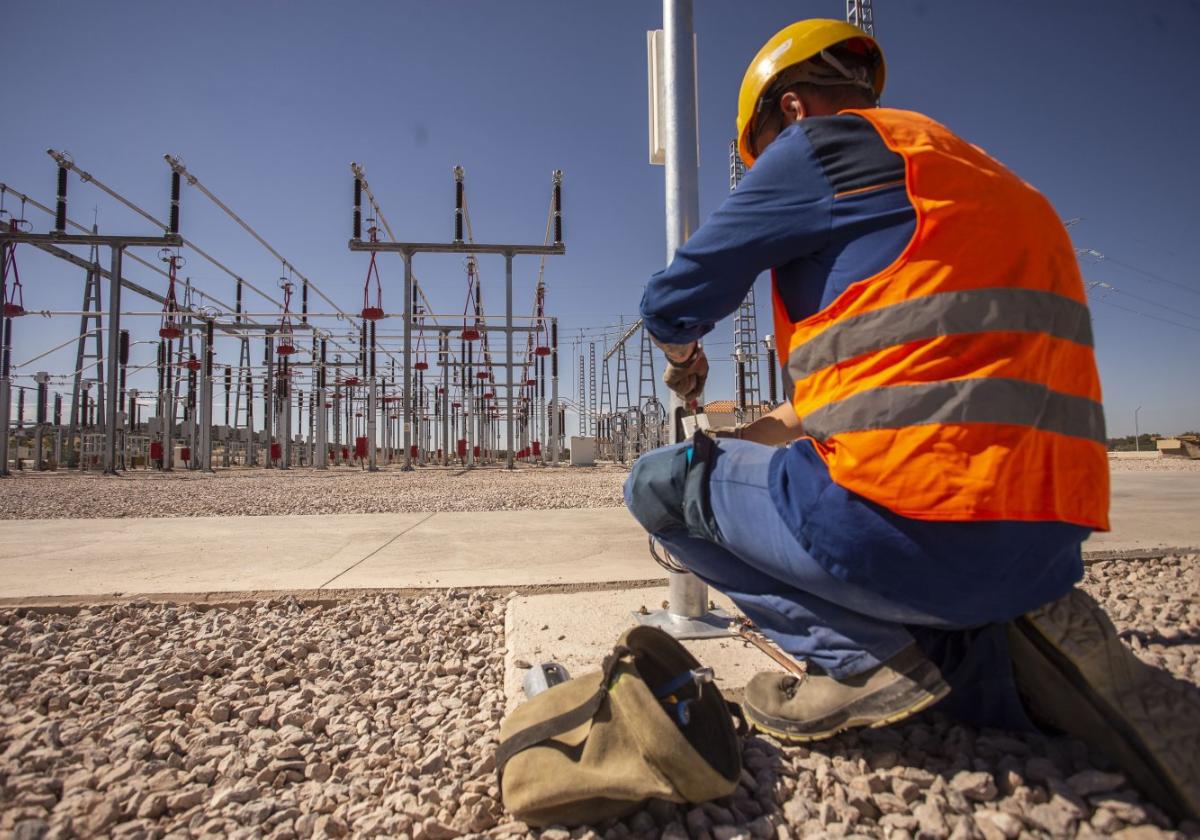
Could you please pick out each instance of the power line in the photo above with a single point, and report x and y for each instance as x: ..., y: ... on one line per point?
x: 1143, y: 314
x: 1099, y: 257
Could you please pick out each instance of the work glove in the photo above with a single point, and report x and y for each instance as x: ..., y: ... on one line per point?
x: 687, y: 378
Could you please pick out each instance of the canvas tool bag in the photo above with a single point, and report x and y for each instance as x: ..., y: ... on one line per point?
x: 601, y: 744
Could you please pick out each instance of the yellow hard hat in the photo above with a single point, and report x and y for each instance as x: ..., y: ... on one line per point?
x: 792, y: 45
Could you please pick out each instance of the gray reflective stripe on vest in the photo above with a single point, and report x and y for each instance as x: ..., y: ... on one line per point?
x: 1007, y: 401
x: 944, y: 313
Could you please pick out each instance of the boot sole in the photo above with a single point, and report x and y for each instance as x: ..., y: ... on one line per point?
x: 1089, y: 685
x: 912, y: 698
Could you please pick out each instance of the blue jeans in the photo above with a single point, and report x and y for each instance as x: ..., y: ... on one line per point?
x: 760, y: 565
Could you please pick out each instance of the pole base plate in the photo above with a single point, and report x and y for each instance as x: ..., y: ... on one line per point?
x: 714, y: 624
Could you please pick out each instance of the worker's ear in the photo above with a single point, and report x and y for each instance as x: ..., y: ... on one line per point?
x: 793, y: 106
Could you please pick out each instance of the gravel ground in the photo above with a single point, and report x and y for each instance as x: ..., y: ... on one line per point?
x: 1153, y: 465
x: 302, y: 491
x: 378, y: 716
x: 272, y: 493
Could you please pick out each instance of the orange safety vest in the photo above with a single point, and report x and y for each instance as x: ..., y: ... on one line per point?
x: 959, y: 383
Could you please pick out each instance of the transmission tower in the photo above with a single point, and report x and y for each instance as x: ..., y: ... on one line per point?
x: 592, y: 395
x: 582, y: 402
x: 860, y: 13
x: 606, y: 403
x: 647, y: 384
x: 745, y: 323
x: 622, y: 379
x: 91, y: 310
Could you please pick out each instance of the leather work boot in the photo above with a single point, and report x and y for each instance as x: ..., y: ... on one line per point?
x: 813, y: 707
x: 1075, y: 675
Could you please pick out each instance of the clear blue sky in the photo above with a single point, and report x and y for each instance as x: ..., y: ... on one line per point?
x: 268, y: 102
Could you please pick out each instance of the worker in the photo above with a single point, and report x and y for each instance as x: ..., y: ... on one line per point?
x: 908, y: 521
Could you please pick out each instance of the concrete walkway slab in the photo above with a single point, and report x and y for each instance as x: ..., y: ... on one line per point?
x: 231, y: 553
x: 1152, y: 510
x: 511, y: 548
x: 63, y: 557
x: 577, y: 630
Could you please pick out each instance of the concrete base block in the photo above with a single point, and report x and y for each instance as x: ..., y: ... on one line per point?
x: 578, y: 630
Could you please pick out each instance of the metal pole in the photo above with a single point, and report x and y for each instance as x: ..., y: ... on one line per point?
x: 407, y: 399
x: 372, y: 400
x: 206, y: 401
x: 285, y: 417
x: 1137, y: 444
x: 688, y: 595
x: 269, y: 398
x: 444, y: 354
x: 686, y: 616
x: 113, y: 404
x: 508, y: 345
x: 5, y: 385
x: 554, y: 392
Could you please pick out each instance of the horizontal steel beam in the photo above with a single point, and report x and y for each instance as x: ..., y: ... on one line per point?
x: 166, y: 241
x: 455, y: 248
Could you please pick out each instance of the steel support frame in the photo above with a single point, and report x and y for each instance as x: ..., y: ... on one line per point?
x: 117, y: 244
x: 407, y: 250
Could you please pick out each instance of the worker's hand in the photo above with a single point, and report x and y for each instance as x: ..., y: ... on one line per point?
x: 726, y: 432
x: 687, y: 378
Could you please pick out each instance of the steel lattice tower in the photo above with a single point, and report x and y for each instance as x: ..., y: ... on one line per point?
x: 606, y: 403
x: 622, y: 380
x: 647, y: 383
x: 860, y: 13
x: 592, y: 395
x: 582, y: 402
x: 745, y: 323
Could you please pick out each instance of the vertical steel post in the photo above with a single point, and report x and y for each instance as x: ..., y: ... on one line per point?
x: 554, y: 430
x: 444, y: 354
x: 5, y: 386
x: 322, y: 415
x: 268, y: 397
x: 508, y: 345
x: 113, y: 403
x: 206, y: 400
x: 285, y: 415
x: 407, y: 399
x: 372, y: 398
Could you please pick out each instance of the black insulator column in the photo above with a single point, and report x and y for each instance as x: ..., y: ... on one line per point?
x: 174, y: 202
x: 162, y: 350
x: 772, y: 391
x: 372, y: 356
x: 558, y: 207
x: 741, y: 380
x: 123, y: 358
x: 43, y: 394
x: 321, y: 369
x: 238, y: 308
x: 458, y: 204
x: 209, y: 326
x: 554, y: 349
x: 357, y: 208
x: 304, y: 303
x: 60, y: 209
x: 58, y: 409
x: 362, y: 349
x: 228, y: 389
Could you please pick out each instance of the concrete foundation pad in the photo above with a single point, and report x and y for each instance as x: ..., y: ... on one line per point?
x: 578, y: 630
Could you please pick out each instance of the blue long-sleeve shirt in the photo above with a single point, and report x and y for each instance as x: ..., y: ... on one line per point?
x: 825, y: 206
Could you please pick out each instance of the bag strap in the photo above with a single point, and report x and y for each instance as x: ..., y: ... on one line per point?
x: 562, y: 723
